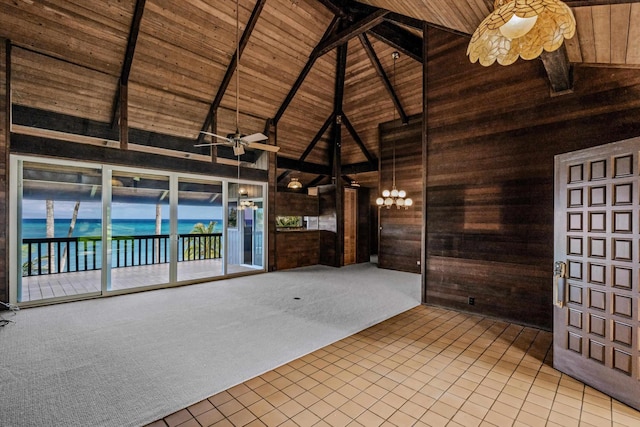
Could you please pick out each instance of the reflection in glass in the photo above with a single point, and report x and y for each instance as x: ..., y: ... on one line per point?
x: 245, y: 228
x: 60, y: 227
x: 200, y: 222
x: 140, y: 244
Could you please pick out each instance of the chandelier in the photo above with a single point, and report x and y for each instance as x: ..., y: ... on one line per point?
x: 521, y: 28
x: 394, y: 197
x: 247, y: 204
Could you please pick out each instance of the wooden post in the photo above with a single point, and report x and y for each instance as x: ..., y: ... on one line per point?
x: 271, y: 197
x: 124, y: 116
x: 337, y: 152
x: 5, y: 127
x: 425, y: 159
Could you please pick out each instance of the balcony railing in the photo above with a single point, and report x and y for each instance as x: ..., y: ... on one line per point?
x: 71, y: 254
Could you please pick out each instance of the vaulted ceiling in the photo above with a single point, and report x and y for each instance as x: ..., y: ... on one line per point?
x: 70, y: 57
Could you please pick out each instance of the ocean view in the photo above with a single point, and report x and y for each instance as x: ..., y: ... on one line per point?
x: 36, y: 228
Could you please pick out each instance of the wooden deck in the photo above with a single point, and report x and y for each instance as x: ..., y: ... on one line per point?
x: 35, y: 288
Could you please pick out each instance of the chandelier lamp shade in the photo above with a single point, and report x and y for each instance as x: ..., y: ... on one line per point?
x: 395, y: 197
x: 294, y: 184
x: 521, y: 28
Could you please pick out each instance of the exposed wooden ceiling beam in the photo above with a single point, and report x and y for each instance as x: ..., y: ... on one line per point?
x: 404, y: 20
x: 316, y: 181
x: 347, y: 34
x: 335, y: 9
x: 395, y: 36
x: 399, y: 38
x: 346, y: 179
x: 231, y: 69
x: 303, y: 74
x: 295, y: 165
x: 417, y: 24
x: 318, y: 169
x: 558, y: 69
x: 128, y: 57
x: 356, y: 168
x: 317, y: 137
x: 385, y: 80
x: 283, y: 175
x: 357, y: 139
x: 132, y: 42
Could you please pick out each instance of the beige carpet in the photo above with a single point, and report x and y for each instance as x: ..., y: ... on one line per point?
x: 129, y: 360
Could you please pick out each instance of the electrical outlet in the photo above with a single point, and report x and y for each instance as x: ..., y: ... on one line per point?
x: 472, y: 301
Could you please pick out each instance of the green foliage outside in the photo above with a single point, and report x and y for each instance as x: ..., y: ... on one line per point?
x: 289, y: 221
x: 202, y: 247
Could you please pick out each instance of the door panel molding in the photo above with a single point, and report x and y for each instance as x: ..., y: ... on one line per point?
x: 597, y: 235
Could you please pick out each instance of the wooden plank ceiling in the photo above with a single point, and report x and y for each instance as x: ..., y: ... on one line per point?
x: 176, y: 59
x: 607, y: 30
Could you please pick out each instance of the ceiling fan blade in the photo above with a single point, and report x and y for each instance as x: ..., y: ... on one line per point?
x: 213, y: 134
x: 265, y: 147
x: 209, y: 144
x: 254, y: 137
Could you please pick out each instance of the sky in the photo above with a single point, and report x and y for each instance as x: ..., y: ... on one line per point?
x: 63, y: 210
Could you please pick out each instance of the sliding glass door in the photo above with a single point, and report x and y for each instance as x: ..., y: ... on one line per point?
x: 200, y: 226
x: 90, y: 230
x: 139, y: 230
x: 59, y: 229
x: 245, y: 228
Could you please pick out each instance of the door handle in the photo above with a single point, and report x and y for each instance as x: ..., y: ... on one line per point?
x: 559, y: 274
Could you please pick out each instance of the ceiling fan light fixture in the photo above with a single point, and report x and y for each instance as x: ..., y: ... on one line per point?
x: 238, y: 149
x: 521, y: 28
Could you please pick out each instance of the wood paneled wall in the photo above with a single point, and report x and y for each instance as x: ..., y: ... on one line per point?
x: 364, y: 226
x: 327, y: 223
x: 4, y: 168
x: 400, y: 230
x: 493, y: 133
x: 296, y: 204
x: 297, y: 248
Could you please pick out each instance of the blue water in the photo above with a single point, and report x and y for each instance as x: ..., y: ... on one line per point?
x: 139, y: 252
x: 37, y: 228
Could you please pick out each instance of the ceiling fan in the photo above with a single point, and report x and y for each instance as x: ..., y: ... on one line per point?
x: 237, y: 140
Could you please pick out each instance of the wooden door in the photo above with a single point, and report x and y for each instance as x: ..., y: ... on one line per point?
x: 350, y: 225
x: 597, y: 253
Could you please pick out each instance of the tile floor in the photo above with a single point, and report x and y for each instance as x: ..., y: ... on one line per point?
x: 425, y: 367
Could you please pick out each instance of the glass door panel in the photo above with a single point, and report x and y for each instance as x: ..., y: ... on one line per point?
x: 200, y: 225
x: 245, y: 228
x: 139, y: 232
x: 60, y: 223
